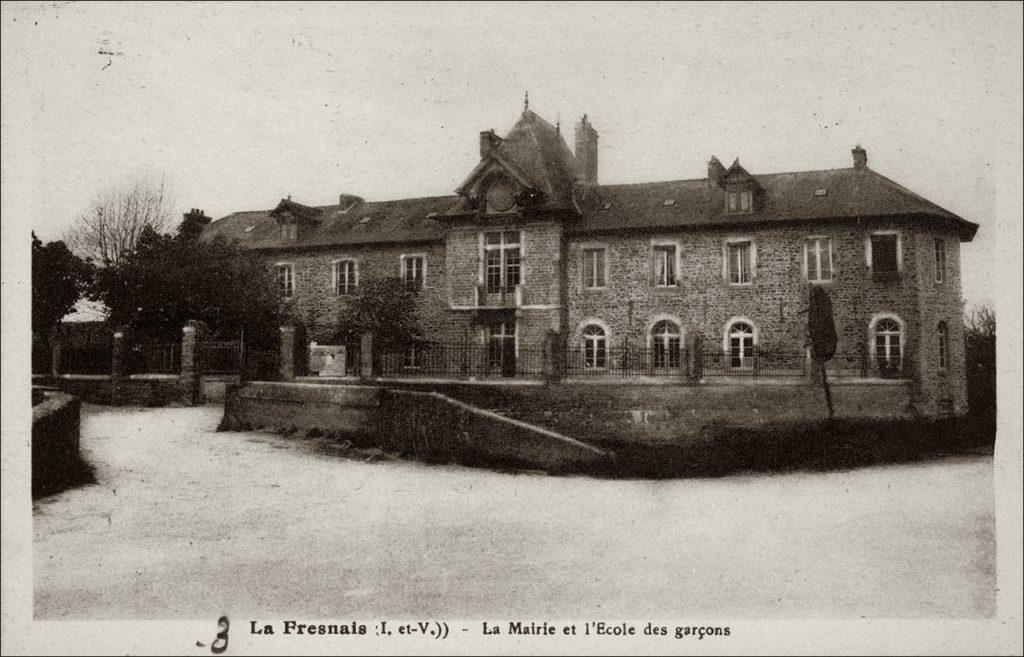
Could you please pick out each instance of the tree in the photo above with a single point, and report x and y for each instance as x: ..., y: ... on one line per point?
x: 117, y: 219
x: 165, y: 281
x: 821, y: 330
x: 384, y: 307
x: 59, y: 280
x: 980, y: 357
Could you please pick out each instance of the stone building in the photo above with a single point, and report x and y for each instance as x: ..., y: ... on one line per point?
x: 706, y: 279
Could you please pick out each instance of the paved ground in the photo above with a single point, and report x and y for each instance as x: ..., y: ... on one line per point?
x: 188, y: 523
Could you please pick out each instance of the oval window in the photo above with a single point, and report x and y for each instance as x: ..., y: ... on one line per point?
x: 500, y: 197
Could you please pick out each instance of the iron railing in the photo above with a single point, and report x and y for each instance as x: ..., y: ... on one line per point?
x: 219, y: 356
x: 87, y: 359
x: 153, y: 357
x: 462, y: 361
x: 626, y: 362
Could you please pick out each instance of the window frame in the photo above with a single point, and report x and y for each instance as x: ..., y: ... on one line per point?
x: 289, y: 231
x: 503, y: 247
x: 659, y: 246
x: 351, y: 287
x: 586, y: 269
x: 869, y: 253
x: 873, y: 334
x: 727, y: 246
x: 942, y: 345
x: 940, y: 260
x: 817, y: 279
x: 289, y: 292
x: 727, y: 342
x: 740, y: 195
x: 599, y: 347
x: 402, y: 258
x: 665, y: 350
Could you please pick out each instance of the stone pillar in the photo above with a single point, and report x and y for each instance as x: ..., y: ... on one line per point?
x: 287, y: 364
x: 366, y: 370
x: 188, y: 379
x: 118, y: 368
x: 56, y: 350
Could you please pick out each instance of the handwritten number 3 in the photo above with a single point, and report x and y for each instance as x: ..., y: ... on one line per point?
x: 220, y: 644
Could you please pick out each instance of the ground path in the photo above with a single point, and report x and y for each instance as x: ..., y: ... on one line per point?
x: 185, y: 522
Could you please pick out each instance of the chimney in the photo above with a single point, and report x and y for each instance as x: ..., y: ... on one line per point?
x: 860, y: 157
x: 488, y: 142
x: 716, y: 172
x: 586, y: 150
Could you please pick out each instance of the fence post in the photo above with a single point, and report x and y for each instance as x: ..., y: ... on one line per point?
x: 188, y: 378
x: 287, y: 365
x: 56, y: 350
x: 117, y: 367
x: 552, y: 367
x: 366, y: 356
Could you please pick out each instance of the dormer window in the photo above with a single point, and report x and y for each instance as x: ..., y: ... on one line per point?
x: 740, y: 201
x: 289, y: 232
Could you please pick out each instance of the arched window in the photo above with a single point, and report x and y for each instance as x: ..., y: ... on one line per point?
x: 595, y: 351
x: 665, y: 341
x: 943, y: 339
x: 741, y: 344
x: 888, y: 347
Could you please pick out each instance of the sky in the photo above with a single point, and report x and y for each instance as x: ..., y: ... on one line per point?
x: 237, y: 105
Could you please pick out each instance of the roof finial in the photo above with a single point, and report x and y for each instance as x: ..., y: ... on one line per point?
x: 526, y: 101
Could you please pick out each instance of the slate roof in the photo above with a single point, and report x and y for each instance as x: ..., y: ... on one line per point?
x: 849, y: 193
x: 535, y: 151
x: 403, y: 221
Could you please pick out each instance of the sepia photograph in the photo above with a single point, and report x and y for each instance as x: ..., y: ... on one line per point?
x: 532, y: 328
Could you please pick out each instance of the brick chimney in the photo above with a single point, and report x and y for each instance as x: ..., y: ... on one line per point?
x: 716, y: 172
x: 488, y: 142
x: 586, y: 150
x: 860, y: 157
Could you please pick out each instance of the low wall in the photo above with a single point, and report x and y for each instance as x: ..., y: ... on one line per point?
x: 427, y: 424
x: 346, y: 409
x: 213, y: 386
x: 55, y: 441
x: 135, y: 390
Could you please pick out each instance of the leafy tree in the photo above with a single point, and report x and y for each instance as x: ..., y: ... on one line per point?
x: 59, y: 280
x: 166, y: 281
x: 821, y: 331
x: 384, y: 307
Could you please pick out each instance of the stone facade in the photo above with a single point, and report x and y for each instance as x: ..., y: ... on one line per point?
x: 531, y: 195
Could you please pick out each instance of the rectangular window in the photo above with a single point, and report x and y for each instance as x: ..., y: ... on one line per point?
x: 819, y: 259
x: 412, y: 358
x: 289, y: 232
x: 884, y: 255
x: 664, y: 265
x: 740, y: 262
x: 413, y: 269
x: 739, y: 201
x: 940, y: 261
x: 285, y: 280
x: 345, y: 277
x: 594, y: 274
x: 502, y: 261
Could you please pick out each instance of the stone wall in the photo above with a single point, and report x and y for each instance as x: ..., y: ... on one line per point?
x: 425, y: 424
x: 55, y: 441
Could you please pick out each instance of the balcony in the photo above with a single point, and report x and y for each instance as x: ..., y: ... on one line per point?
x: 505, y: 297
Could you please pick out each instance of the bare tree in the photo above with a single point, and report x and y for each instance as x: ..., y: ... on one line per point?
x: 117, y: 218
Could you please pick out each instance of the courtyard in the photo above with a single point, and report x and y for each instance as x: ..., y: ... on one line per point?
x: 184, y: 522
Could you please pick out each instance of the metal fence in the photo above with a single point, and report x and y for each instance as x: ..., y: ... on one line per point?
x: 219, y: 356
x: 87, y: 359
x: 153, y: 357
x: 261, y: 365
x: 626, y: 362
x: 771, y: 364
x: 461, y: 361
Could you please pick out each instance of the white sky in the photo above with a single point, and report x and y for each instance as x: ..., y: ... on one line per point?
x: 238, y: 105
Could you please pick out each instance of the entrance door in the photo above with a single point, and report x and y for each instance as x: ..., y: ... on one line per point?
x: 501, y: 347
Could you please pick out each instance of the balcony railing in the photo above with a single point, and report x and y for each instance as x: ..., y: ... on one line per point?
x: 510, y: 296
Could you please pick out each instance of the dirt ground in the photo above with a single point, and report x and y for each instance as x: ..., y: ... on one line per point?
x: 187, y: 523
